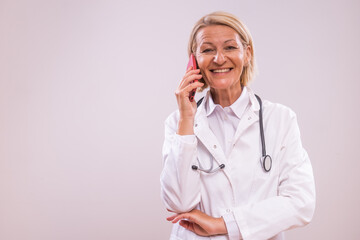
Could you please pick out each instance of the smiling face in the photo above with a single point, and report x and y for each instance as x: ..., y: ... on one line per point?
x: 221, y: 57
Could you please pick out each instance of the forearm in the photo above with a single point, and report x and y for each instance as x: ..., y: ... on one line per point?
x: 200, y: 223
x: 180, y: 185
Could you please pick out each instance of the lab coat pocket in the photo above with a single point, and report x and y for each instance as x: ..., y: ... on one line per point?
x: 264, y: 183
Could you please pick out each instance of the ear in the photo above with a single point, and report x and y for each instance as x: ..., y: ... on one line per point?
x: 247, y: 55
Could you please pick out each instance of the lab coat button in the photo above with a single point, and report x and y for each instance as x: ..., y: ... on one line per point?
x: 196, y: 124
x: 227, y: 210
x: 215, y: 146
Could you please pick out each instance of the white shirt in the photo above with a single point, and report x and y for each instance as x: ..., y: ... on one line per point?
x: 223, y: 122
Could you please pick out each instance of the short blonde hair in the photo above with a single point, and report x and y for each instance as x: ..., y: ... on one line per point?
x: 227, y: 19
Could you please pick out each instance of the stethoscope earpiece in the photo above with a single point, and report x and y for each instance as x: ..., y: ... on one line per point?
x: 194, y: 167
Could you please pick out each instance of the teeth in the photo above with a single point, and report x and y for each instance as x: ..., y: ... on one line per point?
x: 221, y: 70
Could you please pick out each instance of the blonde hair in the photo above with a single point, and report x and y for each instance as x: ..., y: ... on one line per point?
x: 227, y: 19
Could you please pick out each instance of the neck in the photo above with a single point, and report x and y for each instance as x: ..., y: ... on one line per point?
x: 225, y: 97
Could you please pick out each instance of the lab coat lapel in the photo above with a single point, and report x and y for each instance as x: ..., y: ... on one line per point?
x: 206, y: 136
x: 250, y: 116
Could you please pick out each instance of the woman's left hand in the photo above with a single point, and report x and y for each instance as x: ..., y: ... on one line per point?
x: 200, y: 223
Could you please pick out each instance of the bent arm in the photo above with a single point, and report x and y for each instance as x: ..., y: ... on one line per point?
x: 180, y: 185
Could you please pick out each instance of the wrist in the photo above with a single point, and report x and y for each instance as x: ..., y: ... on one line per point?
x: 221, y: 226
x: 186, y: 126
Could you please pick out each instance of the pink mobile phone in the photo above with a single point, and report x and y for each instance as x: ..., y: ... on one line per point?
x: 192, y: 63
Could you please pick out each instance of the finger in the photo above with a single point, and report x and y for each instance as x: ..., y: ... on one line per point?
x: 189, y: 73
x: 186, y: 224
x: 191, y: 69
x: 191, y: 86
x: 188, y: 79
x: 193, y: 227
x: 185, y: 92
x: 172, y: 217
x: 180, y: 217
x: 186, y: 216
x: 176, y: 219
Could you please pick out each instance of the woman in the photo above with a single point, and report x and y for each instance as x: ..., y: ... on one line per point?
x: 214, y: 177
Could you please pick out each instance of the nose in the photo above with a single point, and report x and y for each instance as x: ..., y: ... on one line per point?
x: 219, y: 58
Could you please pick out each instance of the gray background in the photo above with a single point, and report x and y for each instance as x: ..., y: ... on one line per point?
x: 85, y: 87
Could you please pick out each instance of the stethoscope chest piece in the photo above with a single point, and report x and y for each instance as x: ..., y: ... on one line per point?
x: 266, y: 163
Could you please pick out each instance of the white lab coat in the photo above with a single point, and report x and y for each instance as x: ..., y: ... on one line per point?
x: 263, y: 204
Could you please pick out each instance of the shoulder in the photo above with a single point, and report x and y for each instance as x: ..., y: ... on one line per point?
x: 270, y: 109
x: 277, y: 112
x: 280, y: 122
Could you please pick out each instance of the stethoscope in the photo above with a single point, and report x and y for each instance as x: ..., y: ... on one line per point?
x: 265, y: 160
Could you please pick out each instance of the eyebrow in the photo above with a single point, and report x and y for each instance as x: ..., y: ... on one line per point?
x: 229, y: 40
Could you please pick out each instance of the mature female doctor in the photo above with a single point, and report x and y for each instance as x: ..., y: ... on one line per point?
x: 219, y: 178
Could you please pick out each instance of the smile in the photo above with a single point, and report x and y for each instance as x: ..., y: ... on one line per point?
x: 221, y: 70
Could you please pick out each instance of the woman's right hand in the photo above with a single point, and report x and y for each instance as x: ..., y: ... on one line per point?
x: 186, y: 107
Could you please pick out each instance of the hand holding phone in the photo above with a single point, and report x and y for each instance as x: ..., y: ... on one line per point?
x: 185, y: 97
x: 192, y: 63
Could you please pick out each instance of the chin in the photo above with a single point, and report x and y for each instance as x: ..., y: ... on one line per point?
x: 221, y: 84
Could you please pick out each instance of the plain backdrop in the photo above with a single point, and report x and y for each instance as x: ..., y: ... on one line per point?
x: 85, y: 87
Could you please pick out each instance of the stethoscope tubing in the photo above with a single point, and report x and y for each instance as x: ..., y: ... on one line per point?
x: 265, y: 160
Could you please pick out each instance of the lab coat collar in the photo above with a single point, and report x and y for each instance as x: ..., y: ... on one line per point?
x: 238, y: 107
x: 210, y: 105
x: 254, y: 104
